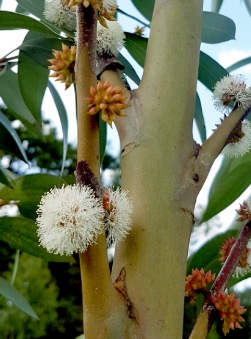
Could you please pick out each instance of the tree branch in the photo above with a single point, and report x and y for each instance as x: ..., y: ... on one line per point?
x: 100, y: 298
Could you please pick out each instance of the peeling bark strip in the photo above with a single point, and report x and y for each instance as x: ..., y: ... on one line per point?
x: 120, y: 285
x: 85, y: 176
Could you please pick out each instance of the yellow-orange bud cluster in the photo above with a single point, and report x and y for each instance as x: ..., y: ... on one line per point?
x: 230, y: 311
x: 197, y: 282
x: 108, y: 100
x: 63, y: 65
x: 226, y: 248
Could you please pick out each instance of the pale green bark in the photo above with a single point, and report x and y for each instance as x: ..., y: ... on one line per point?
x: 154, y: 254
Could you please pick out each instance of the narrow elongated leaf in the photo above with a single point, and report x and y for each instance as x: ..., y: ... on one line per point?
x: 199, y: 119
x: 239, y: 64
x: 210, y: 71
x: 136, y: 46
x: 28, y: 190
x: 9, y: 140
x: 5, y: 177
x: 10, y: 293
x: 19, y: 9
x: 228, y: 189
x: 37, y: 8
x: 11, y: 95
x: 20, y: 233
x: 248, y: 5
x: 129, y: 70
x: 216, y: 5
x: 33, y: 79
x: 63, y: 119
x: 34, y: 7
x: 39, y: 47
x: 133, y: 17
x: 145, y: 7
x: 11, y: 20
x: 217, y: 28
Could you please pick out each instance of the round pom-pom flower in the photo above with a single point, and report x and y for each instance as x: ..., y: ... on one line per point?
x: 58, y: 13
x: 240, y: 143
x: 118, y: 214
x: 63, y: 65
x: 69, y: 219
x: 110, y: 40
x: 108, y: 100
x: 230, y: 310
x: 231, y: 88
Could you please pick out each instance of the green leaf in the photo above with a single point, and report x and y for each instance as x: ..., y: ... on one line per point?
x: 239, y: 64
x: 37, y: 8
x: 11, y: 95
x: 217, y: 28
x: 145, y: 7
x: 216, y: 5
x: 21, y: 233
x: 28, y: 190
x: 129, y: 70
x: 63, y: 119
x: 231, y: 181
x: 32, y: 75
x: 39, y: 47
x: 199, y: 119
x: 248, y: 5
x: 9, y: 139
x: 136, y: 46
x: 133, y: 17
x: 208, y: 254
x: 10, y: 293
x: 34, y: 7
x: 5, y: 177
x: 210, y: 71
x: 11, y: 20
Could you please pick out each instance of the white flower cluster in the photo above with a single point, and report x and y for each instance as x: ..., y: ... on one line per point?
x: 71, y: 218
x: 231, y: 89
x: 118, y: 222
x: 242, y: 146
x: 110, y: 40
x: 59, y: 14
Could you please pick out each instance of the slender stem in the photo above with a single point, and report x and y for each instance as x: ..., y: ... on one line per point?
x: 232, y: 260
x: 97, y: 288
x: 15, y: 267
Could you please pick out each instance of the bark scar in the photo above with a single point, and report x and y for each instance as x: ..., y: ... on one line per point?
x: 120, y: 285
x: 189, y: 214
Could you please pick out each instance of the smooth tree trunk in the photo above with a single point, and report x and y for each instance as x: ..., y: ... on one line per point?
x: 154, y: 170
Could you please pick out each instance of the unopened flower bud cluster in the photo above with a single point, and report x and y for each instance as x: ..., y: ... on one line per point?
x: 71, y: 218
